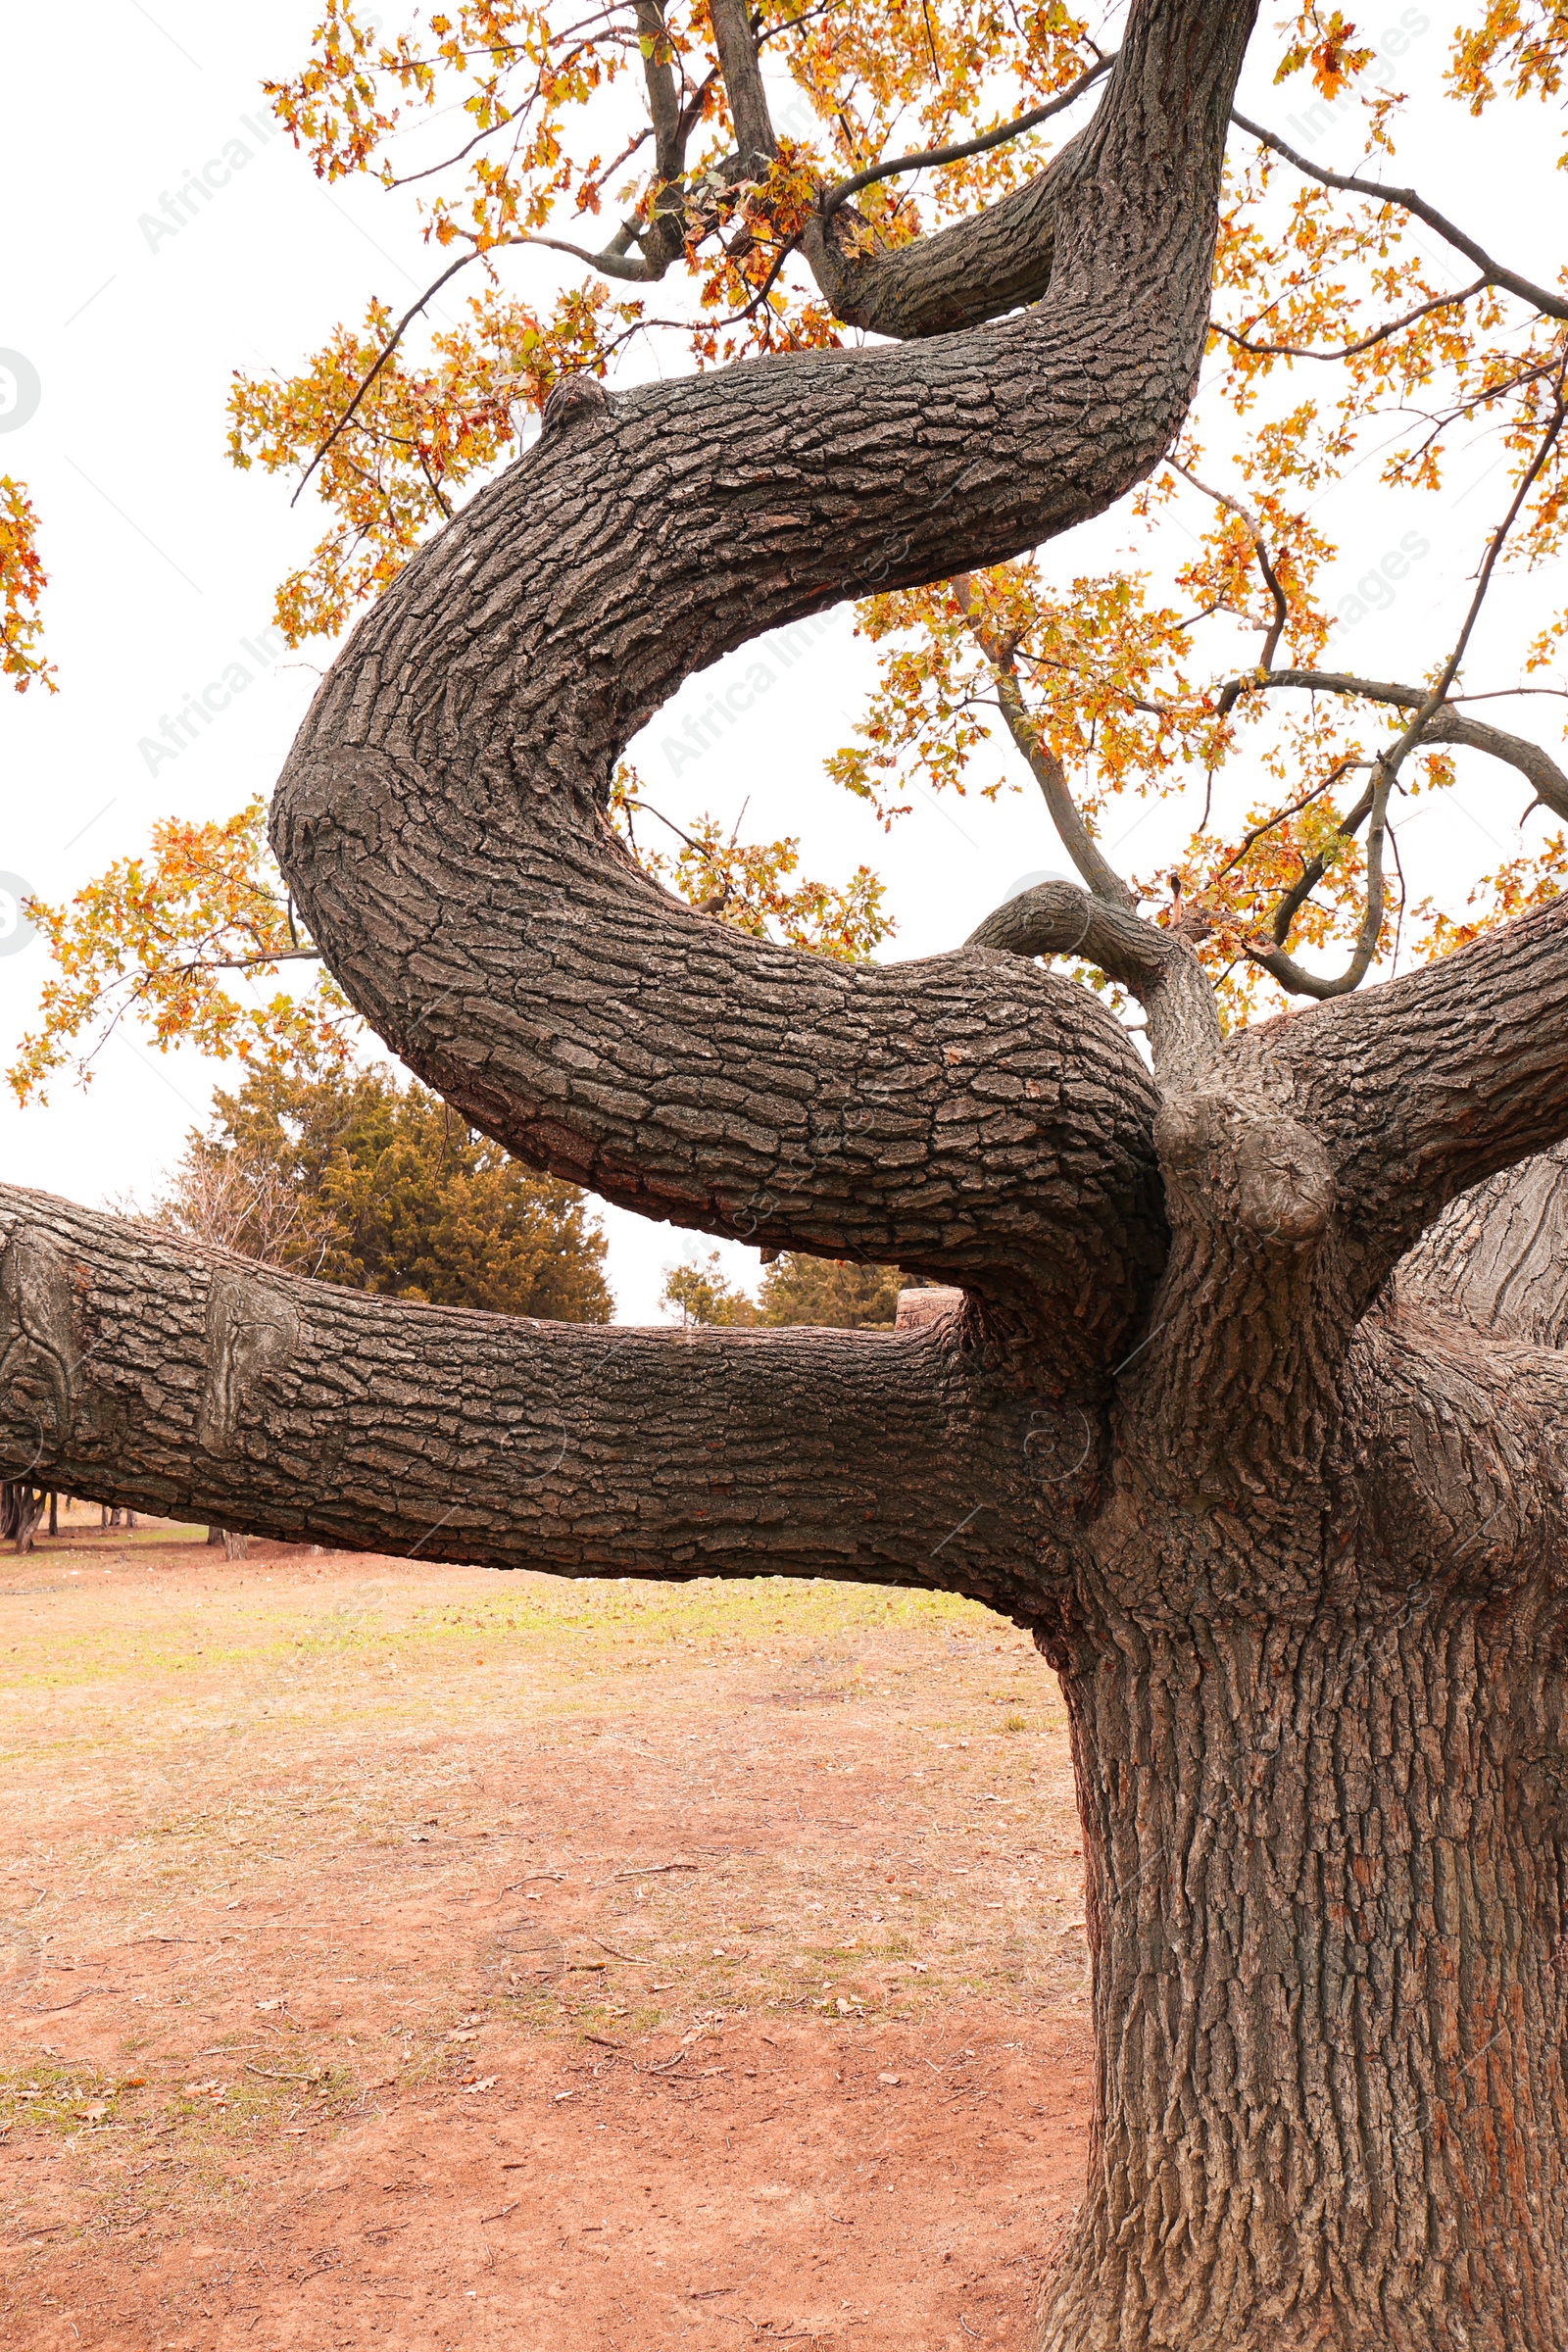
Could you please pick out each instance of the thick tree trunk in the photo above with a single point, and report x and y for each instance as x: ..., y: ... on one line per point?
x: 1290, y: 1514
x: 1327, y: 1897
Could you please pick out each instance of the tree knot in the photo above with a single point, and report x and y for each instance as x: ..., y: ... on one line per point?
x: 576, y: 400
x: 1255, y: 1165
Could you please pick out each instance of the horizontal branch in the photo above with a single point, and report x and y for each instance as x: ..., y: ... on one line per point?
x: 1350, y: 351
x: 1445, y: 725
x: 184, y: 1381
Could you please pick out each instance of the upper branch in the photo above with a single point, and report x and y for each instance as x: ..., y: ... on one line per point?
x: 1425, y: 1085
x: 1540, y: 298
x: 439, y: 818
x: 1445, y: 725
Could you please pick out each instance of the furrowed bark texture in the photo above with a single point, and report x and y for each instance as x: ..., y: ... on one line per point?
x: 192, y: 1382
x: 440, y: 815
x: 1254, y: 1409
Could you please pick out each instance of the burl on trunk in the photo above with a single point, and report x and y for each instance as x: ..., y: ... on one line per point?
x: 1253, y: 1408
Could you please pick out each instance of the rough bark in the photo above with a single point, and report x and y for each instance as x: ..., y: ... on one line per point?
x: 1245, y: 1391
x: 191, y: 1382
x: 440, y: 815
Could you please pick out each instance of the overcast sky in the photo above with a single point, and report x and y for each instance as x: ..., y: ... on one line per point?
x: 163, y: 560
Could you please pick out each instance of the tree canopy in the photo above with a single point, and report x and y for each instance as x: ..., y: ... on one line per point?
x: 796, y: 1287
x: 1246, y: 1386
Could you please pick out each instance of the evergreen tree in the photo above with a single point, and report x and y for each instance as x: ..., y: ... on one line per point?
x: 358, y: 1180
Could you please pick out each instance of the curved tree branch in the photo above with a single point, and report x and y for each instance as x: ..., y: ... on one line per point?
x: 188, y: 1382
x: 440, y: 815
x: 1371, y: 809
x: 971, y: 271
x: 1445, y: 725
x: 1157, y: 966
x: 1425, y: 1086
x: 1271, y: 580
x: 1348, y: 351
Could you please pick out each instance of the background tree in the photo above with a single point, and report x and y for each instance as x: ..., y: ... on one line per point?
x: 1253, y: 1408
x: 355, y: 1179
x: 796, y: 1287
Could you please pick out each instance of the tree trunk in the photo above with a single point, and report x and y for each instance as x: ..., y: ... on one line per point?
x: 237, y: 1547
x: 1279, y: 1483
x: 21, y: 1506
x: 1326, y: 1896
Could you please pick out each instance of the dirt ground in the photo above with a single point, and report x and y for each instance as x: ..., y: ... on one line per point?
x: 412, y: 1955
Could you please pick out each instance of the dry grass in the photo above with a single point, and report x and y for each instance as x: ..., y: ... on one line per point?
x: 304, y: 1854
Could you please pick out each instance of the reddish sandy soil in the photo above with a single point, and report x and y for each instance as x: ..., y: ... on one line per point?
x: 406, y: 1955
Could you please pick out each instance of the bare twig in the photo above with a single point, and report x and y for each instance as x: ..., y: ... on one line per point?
x: 1541, y: 298
x: 1255, y: 531
x: 923, y: 158
x: 1348, y: 351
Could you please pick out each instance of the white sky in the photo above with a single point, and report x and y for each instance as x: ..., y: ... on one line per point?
x: 163, y: 560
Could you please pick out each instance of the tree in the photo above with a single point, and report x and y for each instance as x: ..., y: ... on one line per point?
x: 1253, y: 1408
x: 352, y: 1179
x: 829, y: 1293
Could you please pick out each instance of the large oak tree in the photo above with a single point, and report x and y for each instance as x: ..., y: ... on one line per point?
x: 1250, y: 1398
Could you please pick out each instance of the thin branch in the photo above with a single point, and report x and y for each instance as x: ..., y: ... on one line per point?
x: 1043, y: 764
x: 1379, y: 335
x: 922, y: 158
x: 1374, y: 805
x: 1489, y: 564
x: 1540, y: 298
x: 1399, y: 929
x: 644, y: 273
x: 1445, y: 725
x: 406, y: 321
x: 245, y: 963
x: 695, y: 846
x: 1280, y: 817
x: 1254, y: 530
